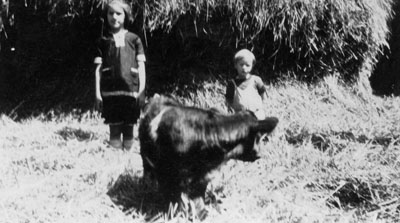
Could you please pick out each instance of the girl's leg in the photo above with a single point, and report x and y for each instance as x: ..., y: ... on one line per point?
x: 127, y: 133
x: 115, y: 136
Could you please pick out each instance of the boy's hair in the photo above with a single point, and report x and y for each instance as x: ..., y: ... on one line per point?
x: 244, y: 53
x: 125, y: 7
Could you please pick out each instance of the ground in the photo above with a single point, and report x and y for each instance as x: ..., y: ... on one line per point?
x: 333, y: 158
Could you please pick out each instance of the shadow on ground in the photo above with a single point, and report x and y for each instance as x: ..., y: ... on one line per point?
x: 337, y: 140
x: 134, y: 195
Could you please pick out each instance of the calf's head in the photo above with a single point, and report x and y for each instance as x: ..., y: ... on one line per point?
x: 248, y: 148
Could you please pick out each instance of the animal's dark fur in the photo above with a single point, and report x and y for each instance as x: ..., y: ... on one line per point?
x: 181, y: 145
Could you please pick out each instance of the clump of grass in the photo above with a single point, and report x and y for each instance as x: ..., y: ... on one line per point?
x: 70, y: 133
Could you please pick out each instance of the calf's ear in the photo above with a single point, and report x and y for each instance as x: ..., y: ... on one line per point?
x: 267, y: 125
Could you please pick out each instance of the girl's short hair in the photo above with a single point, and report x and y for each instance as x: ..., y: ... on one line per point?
x: 124, y: 6
x: 244, y: 53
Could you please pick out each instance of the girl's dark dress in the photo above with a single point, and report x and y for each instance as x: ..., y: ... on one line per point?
x: 119, y: 78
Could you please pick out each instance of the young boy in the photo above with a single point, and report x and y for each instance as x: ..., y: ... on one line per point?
x: 246, y: 91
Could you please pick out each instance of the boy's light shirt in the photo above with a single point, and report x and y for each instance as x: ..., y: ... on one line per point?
x: 248, y: 98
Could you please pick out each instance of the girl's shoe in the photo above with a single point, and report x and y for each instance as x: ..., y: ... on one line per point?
x: 116, y: 143
x: 128, y: 144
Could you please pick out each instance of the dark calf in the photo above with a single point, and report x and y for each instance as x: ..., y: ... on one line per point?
x: 181, y: 145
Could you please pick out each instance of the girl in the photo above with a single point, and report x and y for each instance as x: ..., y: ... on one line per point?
x: 246, y: 91
x: 120, y: 75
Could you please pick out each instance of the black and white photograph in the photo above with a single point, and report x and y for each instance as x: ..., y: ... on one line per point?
x: 185, y: 111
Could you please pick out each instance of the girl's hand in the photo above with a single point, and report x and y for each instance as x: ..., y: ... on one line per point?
x: 141, y: 99
x: 99, y: 102
x: 135, y: 95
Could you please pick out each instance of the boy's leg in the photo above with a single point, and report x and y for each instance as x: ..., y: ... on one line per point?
x: 115, y: 136
x: 127, y: 133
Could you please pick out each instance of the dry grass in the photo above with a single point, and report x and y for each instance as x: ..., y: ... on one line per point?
x: 333, y: 158
x: 310, y: 37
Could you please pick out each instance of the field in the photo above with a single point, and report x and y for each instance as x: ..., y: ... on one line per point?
x: 334, y: 157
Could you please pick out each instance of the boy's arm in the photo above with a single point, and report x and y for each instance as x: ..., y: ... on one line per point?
x: 230, y: 92
x: 261, y: 89
x: 264, y: 97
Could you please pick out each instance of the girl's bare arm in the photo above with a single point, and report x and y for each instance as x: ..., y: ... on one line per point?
x: 142, y: 79
x: 97, y: 85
